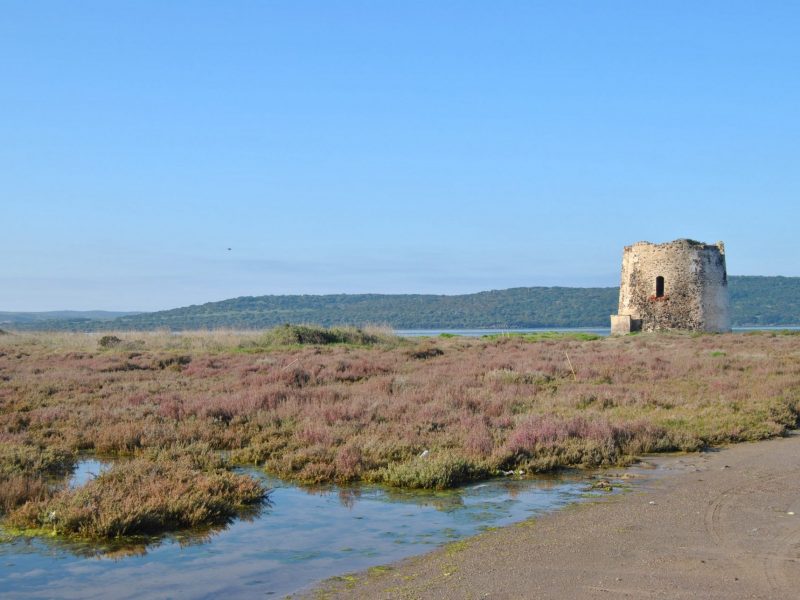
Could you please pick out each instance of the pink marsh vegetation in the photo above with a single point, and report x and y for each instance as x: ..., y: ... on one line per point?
x: 367, y: 411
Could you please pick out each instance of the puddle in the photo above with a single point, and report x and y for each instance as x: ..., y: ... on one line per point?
x: 86, y: 470
x: 303, y: 536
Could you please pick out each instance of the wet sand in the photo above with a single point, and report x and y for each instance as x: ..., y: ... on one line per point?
x: 721, y: 524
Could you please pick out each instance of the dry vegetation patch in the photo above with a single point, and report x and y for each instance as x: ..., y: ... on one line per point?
x: 315, y: 406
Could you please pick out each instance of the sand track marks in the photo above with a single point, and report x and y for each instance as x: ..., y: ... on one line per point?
x: 772, y: 535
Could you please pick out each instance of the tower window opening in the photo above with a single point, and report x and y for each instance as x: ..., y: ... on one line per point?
x: 659, y: 287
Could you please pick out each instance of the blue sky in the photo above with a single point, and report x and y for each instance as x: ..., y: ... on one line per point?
x: 442, y: 147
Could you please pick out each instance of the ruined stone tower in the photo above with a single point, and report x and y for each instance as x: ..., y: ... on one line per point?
x: 677, y: 285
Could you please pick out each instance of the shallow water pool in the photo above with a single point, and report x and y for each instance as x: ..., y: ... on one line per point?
x: 301, y: 537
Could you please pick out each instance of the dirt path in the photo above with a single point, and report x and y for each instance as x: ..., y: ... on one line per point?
x: 716, y: 525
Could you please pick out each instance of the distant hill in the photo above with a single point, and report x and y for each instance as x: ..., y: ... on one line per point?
x: 15, y: 318
x: 754, y: 301
x: 764, y: 300
x: 517, y: 307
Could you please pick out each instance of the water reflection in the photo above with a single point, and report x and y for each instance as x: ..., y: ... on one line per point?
x: 128, y: 546
x: 349, y: 496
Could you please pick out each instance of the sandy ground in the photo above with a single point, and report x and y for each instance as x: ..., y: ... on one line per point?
x: 722, y: 524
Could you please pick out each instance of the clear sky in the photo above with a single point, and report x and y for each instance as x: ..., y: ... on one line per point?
x: 385, y: 146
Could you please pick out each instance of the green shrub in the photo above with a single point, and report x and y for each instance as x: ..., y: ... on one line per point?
x: 288, y: 335
x: 109, y: 341
x: 439, y: 471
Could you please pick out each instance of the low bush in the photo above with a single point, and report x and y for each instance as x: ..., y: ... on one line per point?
x: 434, y: 471
x: 426, y: 353
x: 16, y: 490
x: 197, y: 455
x: 543, y: 443
x: 28, y: 460
x: 109, y: 341
x: 142, y: 497
x: 288, y: 335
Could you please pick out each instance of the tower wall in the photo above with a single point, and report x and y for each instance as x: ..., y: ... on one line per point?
x: 677, y: 285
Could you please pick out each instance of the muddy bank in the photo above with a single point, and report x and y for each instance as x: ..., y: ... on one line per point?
x: 723, y: 524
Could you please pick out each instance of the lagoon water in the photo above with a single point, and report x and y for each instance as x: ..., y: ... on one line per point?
x: 301, y: 537
x: 482, y: 332
x: 594, y: 330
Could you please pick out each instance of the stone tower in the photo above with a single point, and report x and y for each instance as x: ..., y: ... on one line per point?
x: 677, y: 285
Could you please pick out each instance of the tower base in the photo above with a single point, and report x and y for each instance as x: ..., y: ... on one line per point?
x: 624, y: 324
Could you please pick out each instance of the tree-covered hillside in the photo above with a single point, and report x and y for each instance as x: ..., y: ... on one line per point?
x: 518, y: 307
x: 754, y: 301
x: 764, y: 300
